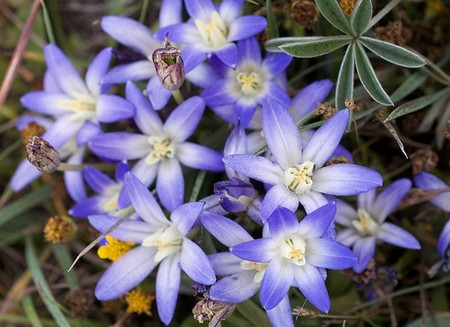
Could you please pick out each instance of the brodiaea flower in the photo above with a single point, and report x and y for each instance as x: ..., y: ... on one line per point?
x: 213, y: 29
x: 297, y: 174
x: 160, y: 148
x: 366, y: 226
x: 162, y: 242
x: 292, y: 253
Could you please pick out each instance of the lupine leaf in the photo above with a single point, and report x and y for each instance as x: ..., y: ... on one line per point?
x: 344, y: 84
x: 368, y: 77
x: 333, y: 13
x: 393, y: 53
x: 416, y: 104
x: 316, y: 47
x: 361, y: 16
x: 273, y: 45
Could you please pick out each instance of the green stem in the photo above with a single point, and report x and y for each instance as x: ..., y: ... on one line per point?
x: 178, y: 96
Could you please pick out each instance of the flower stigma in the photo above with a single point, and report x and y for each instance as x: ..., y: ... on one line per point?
x: 168, y: 240
x: 298, y: 179
x: 293, y: 249
x: 161, y: 148
x: 258, y: 266
x: 250, y: 83
x: 366, y: 226
x: 215, y: 32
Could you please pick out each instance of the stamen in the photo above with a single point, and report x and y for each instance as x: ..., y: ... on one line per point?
x: 168, y: 240
x: 258, y: 266
x: 298, y: 179
x: 161, y: 148
x: 366, y: 225
x: 214, y: 33
x: 250, y: 83
x: 293, y: 249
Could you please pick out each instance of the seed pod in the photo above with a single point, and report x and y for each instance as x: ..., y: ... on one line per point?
x: 42, y: 154
x: 169, y: 65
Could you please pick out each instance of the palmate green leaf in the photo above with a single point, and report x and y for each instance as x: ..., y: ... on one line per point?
x: 315, y: 47
x: 416, y: 104
x: 368, y: 77
x: 393, y: 53
x: 344, y: 84
x: 361, y: 15
x: 332, y: 12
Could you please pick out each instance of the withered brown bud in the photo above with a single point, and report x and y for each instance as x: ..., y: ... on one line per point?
x: 169, y: 65
x: 42, y: 154
x: 214, y: 311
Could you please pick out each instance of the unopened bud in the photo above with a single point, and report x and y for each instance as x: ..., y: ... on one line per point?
x: 169, y: 65
x: 42, y: 154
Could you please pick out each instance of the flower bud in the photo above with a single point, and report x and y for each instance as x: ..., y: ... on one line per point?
x: 42, y: 154
x: 169, y: 65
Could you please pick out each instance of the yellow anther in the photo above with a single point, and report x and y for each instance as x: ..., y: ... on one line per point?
x: 114, y: 249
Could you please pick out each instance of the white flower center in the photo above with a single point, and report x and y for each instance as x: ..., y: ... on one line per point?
x: 82, y: 107
x: 258, y: 266
x: 366, y: 225
x: 215, y: 32
x: 293, y: 249
x: 168, y: 240
x: 250, y: 83
x: 161, y: 148
x: 298, y: 179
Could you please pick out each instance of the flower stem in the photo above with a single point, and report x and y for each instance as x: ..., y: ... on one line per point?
x: 178, y: 96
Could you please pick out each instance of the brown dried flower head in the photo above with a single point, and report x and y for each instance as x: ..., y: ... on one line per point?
x: 304, y: 12
x: 42, y: 154
x: 59, y: 229
x: 169, y: 65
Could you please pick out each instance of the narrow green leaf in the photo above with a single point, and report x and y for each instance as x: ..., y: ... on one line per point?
x: 271, y: 20
x: 41, y: 284
x: 369, y: 78
x: 253, y: 313
x: 332, y: 12
x: 48, y: 23
x: 24, y: 203
x: 64, y: 259
x: 316, y: 47
x: 408, y: 86
x: 416, y: 104
x: 361, y: 15
x: 345, y: 80
x: 30, y: 312
x: 273, y: 45
x: 393, y: 53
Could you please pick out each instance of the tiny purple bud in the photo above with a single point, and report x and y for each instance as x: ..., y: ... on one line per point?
x: 42, y: 154
x: 169, y: 65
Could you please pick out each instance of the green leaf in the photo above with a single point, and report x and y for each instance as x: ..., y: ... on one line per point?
x: 271, y: 20
x: 416, y: 104
x: 393, y: 53
x: 361, y: 16
x: 332, y: 12
x: 253, y: 313
x: 24, y: 203
x: 369, y: 78
x: 64, y: 259
x: 345, y: 80
x: 30, y: 312
x: 408, y: 86
x: 273, y: 45
x: 315, y: 47
x: 41, y: 284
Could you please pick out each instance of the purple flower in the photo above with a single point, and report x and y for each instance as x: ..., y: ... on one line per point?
x: 366, y: 226
x: 141, y: 41
x: 212, y: 30
x: 110, y: 197
x: 77, y: 105
x: 162, y: 242
x: 291, y: 253
x: 160, y: 148
x: 241, y: 90
x: 240, y: 279
x: 427, y: 182
x: 296, y: 173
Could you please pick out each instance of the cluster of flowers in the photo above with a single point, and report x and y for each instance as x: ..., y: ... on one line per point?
x: 223, y: 59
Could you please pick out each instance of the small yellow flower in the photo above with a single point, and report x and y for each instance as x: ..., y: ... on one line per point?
x: 139, y: 302
x: 59, y: 229
x: 347, y: 6
x: 114, y: 249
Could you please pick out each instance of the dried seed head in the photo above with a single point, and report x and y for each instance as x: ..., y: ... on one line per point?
x: 42, y: 154
x: 393, y: 32
x: 347, y: 6
x: 59, y: 229
x: 304, y: 12
x: 169, y: 66
x: 214, y: 311
x: 80, y: 301
x: 423, y: 159
x: 325, y: 111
